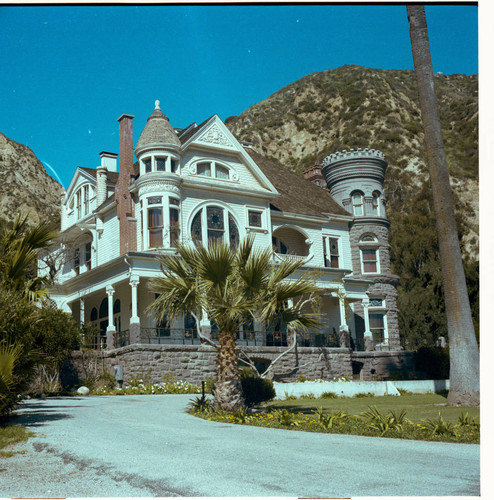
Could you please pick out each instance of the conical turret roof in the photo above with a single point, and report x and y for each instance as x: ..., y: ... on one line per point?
x: 158, y: 133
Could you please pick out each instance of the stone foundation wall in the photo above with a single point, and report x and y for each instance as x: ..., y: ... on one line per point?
x: 381, y: 365
x: 196, y: 363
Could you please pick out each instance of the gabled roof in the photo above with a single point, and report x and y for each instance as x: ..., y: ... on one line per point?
x: 193, y: 130
x: 297, y: 195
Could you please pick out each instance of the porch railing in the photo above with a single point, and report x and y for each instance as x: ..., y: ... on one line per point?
x: 248, y: 338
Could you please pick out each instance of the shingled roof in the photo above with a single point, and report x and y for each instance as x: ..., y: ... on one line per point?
x: 111, y: 176
x: 297, y: 195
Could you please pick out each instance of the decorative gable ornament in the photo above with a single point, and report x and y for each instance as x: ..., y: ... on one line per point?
x: 216, y: 137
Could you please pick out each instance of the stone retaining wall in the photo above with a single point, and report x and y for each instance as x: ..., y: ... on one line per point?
x: 196, y: 363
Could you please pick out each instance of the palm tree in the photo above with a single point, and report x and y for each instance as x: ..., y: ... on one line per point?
x: 20, y: 246
x: 464, y: 353
x: 230, y: 287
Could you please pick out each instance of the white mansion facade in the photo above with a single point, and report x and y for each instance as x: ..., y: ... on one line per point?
x: 199, y: 184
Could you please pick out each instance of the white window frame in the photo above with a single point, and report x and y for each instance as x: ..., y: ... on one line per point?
x: 381, y: 310
x: 212, y: 164
x: 378, y: 266
x: 262, y: 211
x: 327, y: 250
x: 154, y: 157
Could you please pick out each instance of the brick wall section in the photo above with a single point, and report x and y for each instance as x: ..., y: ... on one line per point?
x: 125, y: 207
x: 195, y: 363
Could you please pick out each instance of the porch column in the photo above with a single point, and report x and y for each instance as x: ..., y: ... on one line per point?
x: 205, y: 324
x: 135, y: 322
x: 81, y: 311
x: 344, y: 331
x: 110, y: 329
x: 368, y: 341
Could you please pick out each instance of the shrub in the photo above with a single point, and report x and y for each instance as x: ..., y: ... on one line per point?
x: 257, y: 390
x: 328, y: 395
x: 199, y: 404
x: 363, y: 395
x: 434, y: 361
x: 286, y: 418
x: 439, y: 426
x: 107, y: 380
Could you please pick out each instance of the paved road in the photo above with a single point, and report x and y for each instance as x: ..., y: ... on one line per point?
x: 148, y: 446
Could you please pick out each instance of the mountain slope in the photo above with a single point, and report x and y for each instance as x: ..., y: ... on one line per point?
x: 356, y: 107
x: 25, y: 185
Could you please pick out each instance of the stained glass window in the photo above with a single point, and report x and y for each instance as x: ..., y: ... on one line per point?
x: 196, y: 228
x: 216, y: 224
x: 234, y: 236
x: 255, y: 218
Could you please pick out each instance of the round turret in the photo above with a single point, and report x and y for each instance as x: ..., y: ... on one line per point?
x: 157, y: 134
x: 355, y: 180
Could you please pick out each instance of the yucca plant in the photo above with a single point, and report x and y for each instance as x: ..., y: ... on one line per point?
x: 327, y: 421
x: 286, y: 418
x: 385, y: 423
x: 438, y: 426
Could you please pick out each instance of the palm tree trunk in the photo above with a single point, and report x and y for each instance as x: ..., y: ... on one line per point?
x: 228, y: 390
x: 464, y: 353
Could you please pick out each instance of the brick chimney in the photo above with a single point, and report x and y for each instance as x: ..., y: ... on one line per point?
x: 125, y: 207
x: 314, y: 175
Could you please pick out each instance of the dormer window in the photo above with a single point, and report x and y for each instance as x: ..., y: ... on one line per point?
x: 213, y: 169
x: 81, y: 201
x: 204, y: 169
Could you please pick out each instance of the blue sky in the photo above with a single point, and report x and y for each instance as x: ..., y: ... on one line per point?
x: 68, y: 73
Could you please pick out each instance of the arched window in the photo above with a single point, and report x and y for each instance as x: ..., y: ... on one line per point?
x: 376, y: 196
x: 213, y: 169
x: 103, y: 308
x: 369, y: 254
x: 94, y: 314
x: 213, y: 224
x: 358, y: 203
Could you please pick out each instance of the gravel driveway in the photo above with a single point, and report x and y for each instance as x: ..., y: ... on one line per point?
x: 148, y: 446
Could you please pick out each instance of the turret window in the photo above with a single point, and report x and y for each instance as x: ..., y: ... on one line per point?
x: 158, y: 164
x: 358, y: 203
x: 163, y: 222
x: 369, y: 260
x: 155, y: 227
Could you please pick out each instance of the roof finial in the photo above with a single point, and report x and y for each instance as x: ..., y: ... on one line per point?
x: 156, y: 104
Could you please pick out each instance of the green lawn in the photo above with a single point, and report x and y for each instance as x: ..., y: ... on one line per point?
x: 10, y: 435
x: 418, y: 406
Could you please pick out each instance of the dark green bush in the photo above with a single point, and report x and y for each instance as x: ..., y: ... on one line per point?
x: 256, y: 390
x: 434, y: 361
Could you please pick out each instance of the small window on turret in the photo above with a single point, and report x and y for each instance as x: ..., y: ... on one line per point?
x: 160, y: 164
x: 357, y: 202
x: 147, y: 165
x: 173, y: 164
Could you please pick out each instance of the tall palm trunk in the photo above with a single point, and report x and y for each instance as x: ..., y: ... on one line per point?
x: 464, y: 353
x: 228, y: 390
